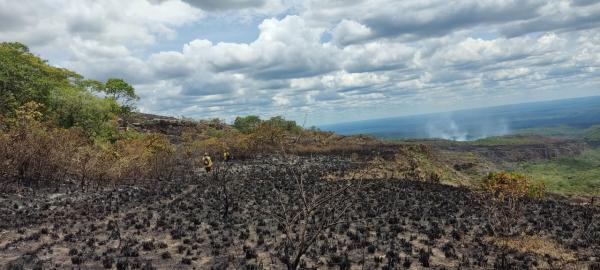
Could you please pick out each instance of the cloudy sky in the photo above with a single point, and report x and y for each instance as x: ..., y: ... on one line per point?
x: 326, y: 60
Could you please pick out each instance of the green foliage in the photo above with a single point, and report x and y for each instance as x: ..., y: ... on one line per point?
x: 247, y: 124
x: 577, y: 174
x: 251, y: 123
x: 25, y: 77
x: 63, y: 96
x: 505, y: 185
x: 72, y: 107
x: 122, y: 92
x: 592, y: 133
x: 215, y: 133
x: 508, y: 140
x: 552, y: 131
x: 280, y: 123
x: 537, y: 190
x: 53, y: 128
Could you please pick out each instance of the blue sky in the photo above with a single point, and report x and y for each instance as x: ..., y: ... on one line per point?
x: 327, y: 60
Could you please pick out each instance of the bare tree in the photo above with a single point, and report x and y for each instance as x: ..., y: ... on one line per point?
x: 220, y: 182
x: 304, y: 206
x: 589, y: 230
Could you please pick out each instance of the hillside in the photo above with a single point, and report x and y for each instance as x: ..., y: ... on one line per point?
x: 189, y: 223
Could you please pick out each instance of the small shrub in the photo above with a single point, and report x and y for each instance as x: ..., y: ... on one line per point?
x: 504, y: 194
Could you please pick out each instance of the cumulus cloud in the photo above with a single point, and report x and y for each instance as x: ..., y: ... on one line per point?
x: 285, y: 49
x: 329, y: 58
x: 412, y: 20
x: 558, y: 16
x: 348, y: 32
x: 225, y: 4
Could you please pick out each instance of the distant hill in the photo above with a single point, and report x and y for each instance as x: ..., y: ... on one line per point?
x: 479, y: 123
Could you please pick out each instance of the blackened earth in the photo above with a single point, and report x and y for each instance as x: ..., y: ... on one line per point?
x: 181, y: 225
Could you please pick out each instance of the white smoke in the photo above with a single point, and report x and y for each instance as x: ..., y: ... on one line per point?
x: 449, y: 129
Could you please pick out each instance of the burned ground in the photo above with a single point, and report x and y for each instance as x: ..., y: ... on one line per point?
x: 394, y: 224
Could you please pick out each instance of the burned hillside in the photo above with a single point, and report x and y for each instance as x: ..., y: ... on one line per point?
x: 239, y: 221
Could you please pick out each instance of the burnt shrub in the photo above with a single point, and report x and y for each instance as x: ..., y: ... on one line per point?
x: 407, y: 262
x: 424, y: 257
x: 107, y: 262
x: 165, y: 255
x: 148, y: 245
x: 122, y: 264
x: 371, y: 249
x: 76, y: 260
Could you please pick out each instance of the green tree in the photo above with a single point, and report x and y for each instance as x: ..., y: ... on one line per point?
x: 75, y: 108
x: 122, y: 92
x: 247, y: 124
x: 281, y: 123
x: 25, y: 77
x: 63, y: 96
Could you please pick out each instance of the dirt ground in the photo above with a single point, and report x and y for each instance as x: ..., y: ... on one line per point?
x: 396, y: 224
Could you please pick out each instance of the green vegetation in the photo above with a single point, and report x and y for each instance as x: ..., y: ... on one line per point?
x: 64, y: 97
x: 591, y: 134
x: 247, y: 124
x: 53, y: 128
x: 120, y: 91
x: 507, y: 140
x: 580, y: 174
x: 72, y: 107
x: 25, y: 77
x: 553, y: 131
x: 509, y: 184
x: 251, y: 123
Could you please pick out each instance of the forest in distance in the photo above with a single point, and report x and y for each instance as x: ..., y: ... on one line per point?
x: 473, y: 124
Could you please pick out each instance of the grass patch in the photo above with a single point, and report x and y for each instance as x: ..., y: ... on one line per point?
x: 537, y: 245
x: 553, y: 131
x: 563, y: 131
x: 508, y: 140
x: 592, y: 133
x: 579, y: 174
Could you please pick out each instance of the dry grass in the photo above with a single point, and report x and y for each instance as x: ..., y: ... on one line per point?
x: 411, y: 162
x: 538, y: 245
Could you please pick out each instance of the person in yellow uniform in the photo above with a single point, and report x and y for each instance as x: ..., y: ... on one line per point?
x: 207, y: 161
x: 226, y: 156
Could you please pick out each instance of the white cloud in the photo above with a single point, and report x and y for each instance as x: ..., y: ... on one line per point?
x: 348, y: 32
x: 362, y: 58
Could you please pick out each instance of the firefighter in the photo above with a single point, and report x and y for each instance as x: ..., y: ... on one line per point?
x: 226, y: 156
x: 207, y: 161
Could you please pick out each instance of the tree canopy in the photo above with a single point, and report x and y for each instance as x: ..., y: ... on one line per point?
x: 64, y: 96
x: 122, y: 92
x: 247, y: 124
x: 251, y: 123
x: 25, y: 77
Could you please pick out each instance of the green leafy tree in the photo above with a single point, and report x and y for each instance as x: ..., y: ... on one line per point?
x: 122, y: 92
x: 75, y: 108
x: 63, y: 96
x: 281, y: 123
x: 25, y: 77
x: 247, y: 124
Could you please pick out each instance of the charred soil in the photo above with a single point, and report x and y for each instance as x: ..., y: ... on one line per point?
x: 395, y: 224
